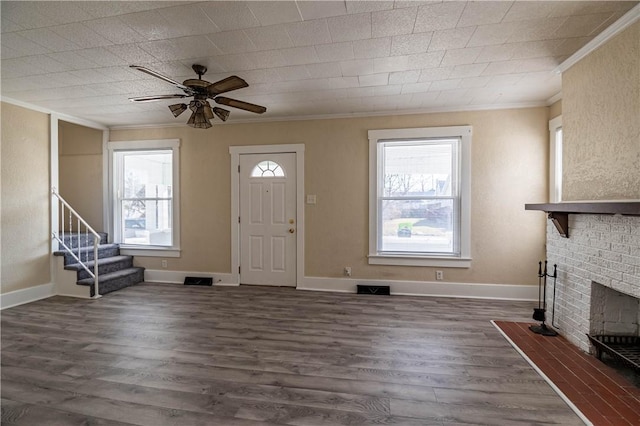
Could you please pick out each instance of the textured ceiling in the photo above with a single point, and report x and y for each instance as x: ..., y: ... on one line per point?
x: 300, y: 58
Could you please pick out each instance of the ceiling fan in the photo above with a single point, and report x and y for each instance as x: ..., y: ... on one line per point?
x: 201, y: 90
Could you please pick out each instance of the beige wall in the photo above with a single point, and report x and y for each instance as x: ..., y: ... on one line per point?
x: 601, y: 122
x: 509, y: 166
x: 25, y: 199
x: 80, y: 165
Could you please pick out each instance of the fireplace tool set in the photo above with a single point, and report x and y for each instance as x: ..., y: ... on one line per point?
x: 539, y: 313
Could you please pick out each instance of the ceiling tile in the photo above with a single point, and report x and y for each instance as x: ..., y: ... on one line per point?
x: 18, y: 67
x: 104, y: 9
x: 454, y: 38
x: 580, y: 26
x: 467, y: 55
x: 358, y: 6
x: 188, y: 19
x: 416, y: 87
x: 230, y: 15
x: 444, y: 84
x: 116, y: 31
x: 527, y: 10
x: 435, y: 74
x: 8, y: 26
x: 232, y: 42
x: 357, y: 67
x: 426, y: 60
x: 275, y: 12
x: 393, y: 22
x: 101, y: 57
x: 374, y: 79
x: 267, y: 59
x: 372, y: 48
x: 411, y: 43
x: 47, y: 38
x: 81, y: 35
x: 73, y: 60
x: 132, y: 54
x: 298, y: 72
x: 335, y: 52
x: 350, y: 27
x: 483, y: 13
x: 504, y: 80
x: 571, y: 45
x: 474, y: 82
x: 269, y: 38
x: 538, y: 29
x: 467, y: 71
x: 324, y: 70
x: 535, y: 49
x: 390, y: 64
x: 235, y: 63
x: 321, y: 9
x: 539, y: 64
x: 299, y: 56
x: 486, y: 35
x: 404, y: 77
x: 21, y: 46
x: 504, y: 67
x: 25, y: 14
x: 151, y: 25
x: 309, y: 33
x: 181, y: 48
x: 439, y: 16
x: 501, y: 52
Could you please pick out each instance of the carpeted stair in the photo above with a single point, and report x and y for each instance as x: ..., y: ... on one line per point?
x: 115, y: 271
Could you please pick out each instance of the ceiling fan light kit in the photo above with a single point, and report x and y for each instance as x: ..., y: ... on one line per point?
x: 201, y: 90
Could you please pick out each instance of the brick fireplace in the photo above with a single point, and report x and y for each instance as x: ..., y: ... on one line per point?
x: 598, y: 285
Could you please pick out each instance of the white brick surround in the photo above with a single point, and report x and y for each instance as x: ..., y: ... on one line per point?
x: 604, y: 249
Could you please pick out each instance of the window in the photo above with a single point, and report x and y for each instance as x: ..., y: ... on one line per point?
x: 144, y: 197
x: 555, y: 160
x: 419, y: 203
x: 267, y: 169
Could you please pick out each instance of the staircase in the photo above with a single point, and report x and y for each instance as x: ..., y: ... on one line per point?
x: 115, y: 271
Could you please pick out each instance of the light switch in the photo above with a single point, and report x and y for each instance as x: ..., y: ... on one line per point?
x: 311, y: 199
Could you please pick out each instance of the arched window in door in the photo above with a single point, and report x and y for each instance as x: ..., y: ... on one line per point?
x: 267, y: 169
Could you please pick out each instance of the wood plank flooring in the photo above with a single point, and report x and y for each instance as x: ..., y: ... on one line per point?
x: 160, y: 354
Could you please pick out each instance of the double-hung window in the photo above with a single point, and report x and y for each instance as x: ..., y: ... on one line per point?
x: 419, y: 196
x: 144, y: 195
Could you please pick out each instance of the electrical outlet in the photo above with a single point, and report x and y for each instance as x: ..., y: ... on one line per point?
x: 164, y: 263
x: 439, y: 275
x: 347, y: 271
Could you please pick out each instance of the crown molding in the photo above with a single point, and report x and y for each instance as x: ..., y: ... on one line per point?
x: 612, y: 30
x: 58, y: 115
x: 464, y: 108
x: 555, y: 98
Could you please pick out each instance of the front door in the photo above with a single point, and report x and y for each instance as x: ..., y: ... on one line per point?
x: 268, y: 219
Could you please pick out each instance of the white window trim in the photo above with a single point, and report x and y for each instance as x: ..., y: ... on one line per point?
x: 555, y: 161
x: 462, y: 261
x: 139, y: 250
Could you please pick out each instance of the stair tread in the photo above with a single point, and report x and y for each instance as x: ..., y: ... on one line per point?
x: 86, y: 248
x: 101, y: 261
x: 111, y: 275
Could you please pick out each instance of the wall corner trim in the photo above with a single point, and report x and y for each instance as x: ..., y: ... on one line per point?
x: 26, y: 295
x: 426, y: 288
x: 611, y: 31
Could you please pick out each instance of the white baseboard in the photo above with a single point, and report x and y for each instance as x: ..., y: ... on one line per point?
x: 177, y: 277
x: 26, y: 295
x: 426, y: 288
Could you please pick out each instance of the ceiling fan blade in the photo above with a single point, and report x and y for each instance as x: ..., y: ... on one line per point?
x: 156, y: 98
x: 226, y: 85
x: 160, y: 76
x: 240, y: 104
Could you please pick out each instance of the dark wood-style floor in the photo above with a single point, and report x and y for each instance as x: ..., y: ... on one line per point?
x: 158, y: 354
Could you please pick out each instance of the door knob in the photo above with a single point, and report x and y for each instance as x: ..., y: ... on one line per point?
x: 291, y: 230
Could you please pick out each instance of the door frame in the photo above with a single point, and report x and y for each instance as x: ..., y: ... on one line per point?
x: 235, y: 152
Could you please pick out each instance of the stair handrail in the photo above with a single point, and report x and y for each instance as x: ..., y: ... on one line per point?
x: 61, y: 204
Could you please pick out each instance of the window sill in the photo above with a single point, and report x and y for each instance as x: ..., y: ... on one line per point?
x: 150, y: 251
x: 405, y: 260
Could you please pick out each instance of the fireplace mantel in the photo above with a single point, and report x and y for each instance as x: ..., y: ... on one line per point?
x: 559, y: 212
